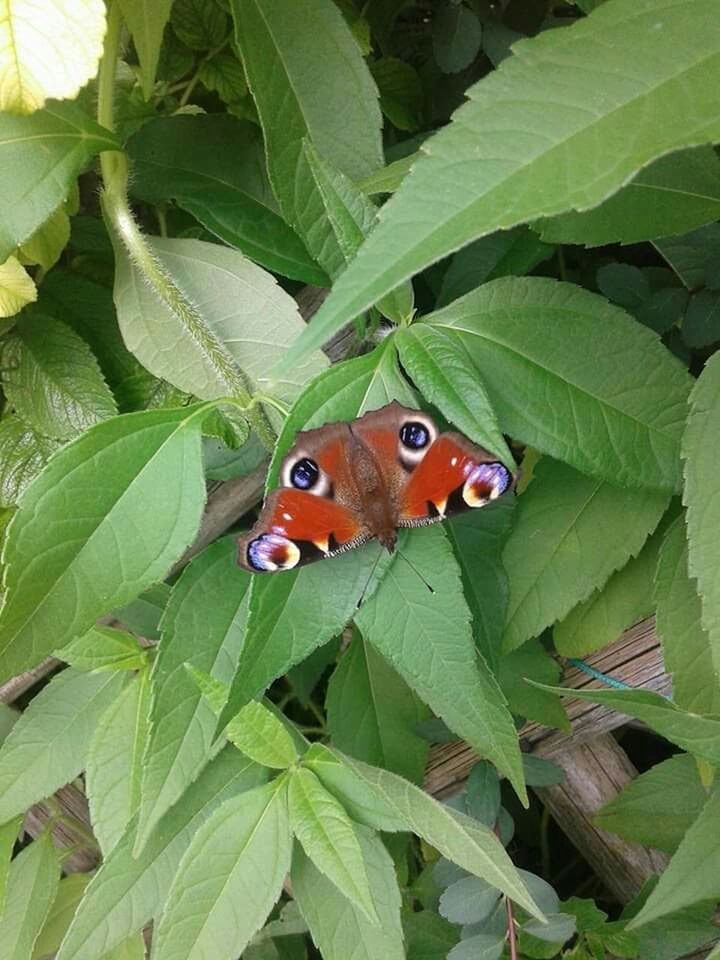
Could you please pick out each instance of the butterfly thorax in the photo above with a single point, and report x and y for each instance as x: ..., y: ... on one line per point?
x: 374, y: 501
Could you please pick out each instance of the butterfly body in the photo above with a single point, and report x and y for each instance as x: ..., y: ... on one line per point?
x: 349, y: 482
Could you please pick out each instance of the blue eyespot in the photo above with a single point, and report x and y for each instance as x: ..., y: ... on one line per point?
x: 304, y: 474
x: 414, y: 435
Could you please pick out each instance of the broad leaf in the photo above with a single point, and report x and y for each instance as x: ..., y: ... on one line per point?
x: 146, y: 21
x: 293, y: 614
x: 143, y: 614
x: 48, y: 745
x: 462, y: 840
x: 625, y: 599
x: 578, y: 540
x: 8, y: 836
x: 532, y: 339
x: 686, y: 645
x: 260, y: 735
x: 440, y: 367
x: 52, y: 379
x: 17, y: 289
x: 242, y: 305
x: 113, y: 768
x: 673, y: 195
x: 204, y: 626
x: 48, y: 242
x: 691, y: 255
x: 32, y: 883
x: 372, y: 714
x: 69, y: 894
x: 79, y: 557
x: 697, y: 734
x: 428, y: 936
x: 328, y: 837
x: 48, y: 49
x: 427, y: 637
x: 507, y: 253
x: 309, y: 81
x: 202, y: 26
x: 41, y: 155
x: 23, y: 454
x: 532, y: 661
x: 657, y: 807
x: 104, y: 648
x: 702, y: 498
x: 478, y: 538
x: 127, y: 891
x: 218, y: 899
x: 468, y: 900
x: 339, y: 928
x: 484, y: 172
x: 213, y: 166
x: 693, y: 874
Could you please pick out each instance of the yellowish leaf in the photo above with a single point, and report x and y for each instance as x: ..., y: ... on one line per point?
x: 48, y: 48
x: 16, y: 288
x: 48, y: 241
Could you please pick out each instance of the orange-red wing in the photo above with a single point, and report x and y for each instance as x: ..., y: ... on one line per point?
x: 300, y: 516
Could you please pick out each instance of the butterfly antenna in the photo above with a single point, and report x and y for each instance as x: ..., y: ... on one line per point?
x: 368, y: 581
x: 415, y: 570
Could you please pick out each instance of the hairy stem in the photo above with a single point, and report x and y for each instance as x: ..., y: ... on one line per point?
x: 114, y: 170
x: 512, y: 940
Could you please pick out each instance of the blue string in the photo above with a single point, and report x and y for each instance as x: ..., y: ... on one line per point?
x: 597, y: 675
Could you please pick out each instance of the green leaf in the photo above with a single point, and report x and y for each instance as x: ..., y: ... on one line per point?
x: 32, y: 883
x: 292, y: 615
x: 23, y: 454
x: 8, y: 836
x: 389, y: 178
x: 428, y: 936
x: 114, y: 758
x: 241, y: 304
x: 479, y: 947
x: 328, y: 837
x: 624, y: 284
x: 218, y: 900
x: 686, y: 646
x: 48, y: 745
x: 309, y: 81
x: 440, y: 367
x: 146, y: 21
x: 41, y: 156
x: 657, y: 807
x: 503, y: 254
x: 48, y: 242
x: 143, y: 614
x: 456, y: 37
x: 626, y: 598
x: 702, y: 498
x: 674, y: 194
x: 88, y: 308
x: 104, y: 648
x: 17, y: 290
x: 693, y: 874
x: 462, y: 840
x: 336, y: 216
x: 540, y: 772
x: 477, y: 538
x: 484, y: 172
x: 701, y: 323
x: 581, y: 530
x: 469, y: 900
x: 673, y: 934
x: 372, y: 714
x: 79, y: 557
x: 428, y: 639
x: 692, y: 254
x: 69, y: 894
x: 482, y: 794
x: 304, y: 677
x: 338, y: 927
x: 224, y: 75
x: 401, y: 92
x: 262, y: 737
x: 697, y: 734
x: 204, y: 626
x: 532, y: 661
x: 213, y: 166
x: 530, y: 339
x: 127, y: 891
x: 52, y: 379
x: 200, y: 25
x: 48, y: 50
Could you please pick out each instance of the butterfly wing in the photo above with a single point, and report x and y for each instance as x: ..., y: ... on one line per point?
x: 454, y: 475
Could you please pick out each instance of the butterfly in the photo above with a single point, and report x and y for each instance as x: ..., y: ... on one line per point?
x: 349, y: 482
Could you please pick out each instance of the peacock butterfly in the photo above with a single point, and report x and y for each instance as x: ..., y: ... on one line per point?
x: 345, y: 483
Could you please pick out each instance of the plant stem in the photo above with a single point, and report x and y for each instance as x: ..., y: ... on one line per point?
x: 512, y: 941
x: 114, y: 168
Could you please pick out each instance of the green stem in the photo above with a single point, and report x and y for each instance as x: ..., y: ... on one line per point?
x: 114, y: 168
